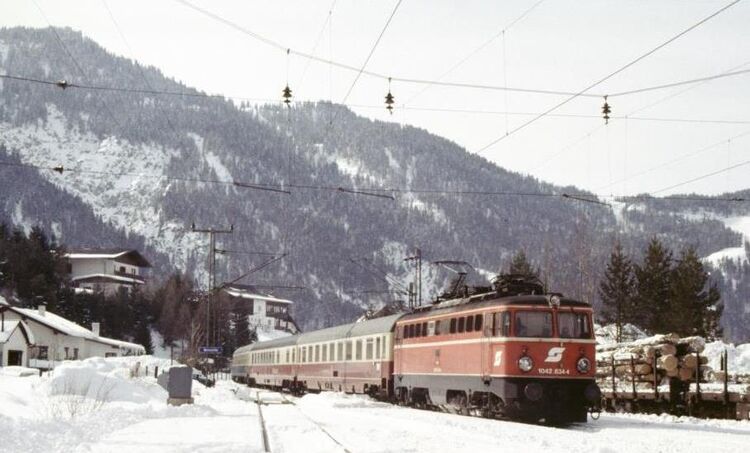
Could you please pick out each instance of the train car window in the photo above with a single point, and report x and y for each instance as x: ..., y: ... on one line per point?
x: 324, y: 358
x: 340, y: 351
x: 332, y: 352
x: 506, y: 324
x: 348, y: 350
x: 469, y: 323
x: 536, y: 324
x: 368, y: 349
x: 461, y: 325
x: 453, y: 325
x: 278, y: 356
x: 377, y: 348
x: 412, y: 331
x: 430, y: 328
x: 359, y: 350
x: 478, y: 323
x: 294, y: 356
x: 303, y: 356
x: 438, y: 327
x: 317, y: 353
x: 573, y: 325
x: 382, y: 352
x: 406, y: 332
x: 424, y: 329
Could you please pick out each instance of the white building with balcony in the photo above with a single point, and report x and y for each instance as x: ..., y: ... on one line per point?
x: 267, y: 312
x: 107, y: 270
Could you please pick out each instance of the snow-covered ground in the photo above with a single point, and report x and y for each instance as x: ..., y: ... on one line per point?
x: 104, y: 405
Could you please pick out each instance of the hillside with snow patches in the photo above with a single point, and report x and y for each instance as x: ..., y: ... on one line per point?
x: 141, y: 168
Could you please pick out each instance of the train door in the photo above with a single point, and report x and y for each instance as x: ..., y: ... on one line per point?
x: 486, y: 366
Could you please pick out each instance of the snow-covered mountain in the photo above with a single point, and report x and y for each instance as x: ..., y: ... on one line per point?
x: 141, y: 167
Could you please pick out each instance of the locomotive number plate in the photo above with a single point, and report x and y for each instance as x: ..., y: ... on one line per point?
x: 555, y: 371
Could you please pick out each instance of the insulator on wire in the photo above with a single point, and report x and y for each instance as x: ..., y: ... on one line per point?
x: 606, y: 111
x: 389, y: 99
x: 58, y: 169
x: 62, y: 84
x: 287, y: 95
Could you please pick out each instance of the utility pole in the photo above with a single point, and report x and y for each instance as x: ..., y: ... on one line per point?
x: 417, y: 258
x: 212, y: 232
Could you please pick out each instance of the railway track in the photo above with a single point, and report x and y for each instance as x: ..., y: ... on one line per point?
x: 284, y: 400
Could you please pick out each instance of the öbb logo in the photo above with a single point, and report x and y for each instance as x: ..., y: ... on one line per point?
x: 554, y: 355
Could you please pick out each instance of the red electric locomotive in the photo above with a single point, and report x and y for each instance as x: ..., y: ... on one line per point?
x: 510, y: 352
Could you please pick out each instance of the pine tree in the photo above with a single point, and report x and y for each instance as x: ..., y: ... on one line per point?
x: 240, y: 323
x: 520, y: 265
x: 652, y: 306
x: 617, y: 290
x: 694, y: 302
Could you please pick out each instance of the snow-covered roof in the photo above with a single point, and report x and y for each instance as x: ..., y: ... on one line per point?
x: 114, y: 278
x: 248, y: 292
x: 68, y: 327
x: 8, y: 326
x: 133, y: 255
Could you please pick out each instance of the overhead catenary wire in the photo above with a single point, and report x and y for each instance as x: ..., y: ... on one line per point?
x: 68, y: 84
x: 74, y: 60
x: 609, y: 76
x: 372, y: 51
x: 675, y: 160
x: 640, y: 109
x: 334, y: 188
x: 476, y: 50
x: 699, y: 178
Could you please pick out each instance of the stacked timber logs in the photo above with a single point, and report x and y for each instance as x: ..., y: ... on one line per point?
x: 649, y: 362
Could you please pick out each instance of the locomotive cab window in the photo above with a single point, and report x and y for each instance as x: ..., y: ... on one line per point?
x: 536, y: 324
x: 573, y: 325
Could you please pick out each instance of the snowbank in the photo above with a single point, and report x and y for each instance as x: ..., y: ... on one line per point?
x: 608, y: 334
x: 738, y: 357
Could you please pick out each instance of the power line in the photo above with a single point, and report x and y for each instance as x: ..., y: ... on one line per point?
x: 684, y: 82
x: 66, y: 84
x: 640, y: 109
x: 674, y: 161
x: 475, y: 51
x: 317, y: 40
x: 374, y: 191
x: 707, y: 175
x: 609, y: 76
x: 74, y: 60
x: 372, y: 51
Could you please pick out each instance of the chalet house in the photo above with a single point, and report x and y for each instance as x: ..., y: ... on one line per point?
x: 267, y: 312
x: 106, y: 270
x: 41, y: 339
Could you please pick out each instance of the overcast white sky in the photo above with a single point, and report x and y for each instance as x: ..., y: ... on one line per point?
x: 559, y: 45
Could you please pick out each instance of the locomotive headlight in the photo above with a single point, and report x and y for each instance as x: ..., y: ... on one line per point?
x: 583, y: 365
x: 525, y: 364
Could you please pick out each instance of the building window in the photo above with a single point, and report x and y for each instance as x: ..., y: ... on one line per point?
x: 109, y: 354
x: 75, y: 353
x: 42, y: 352
x: 67, y: 354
